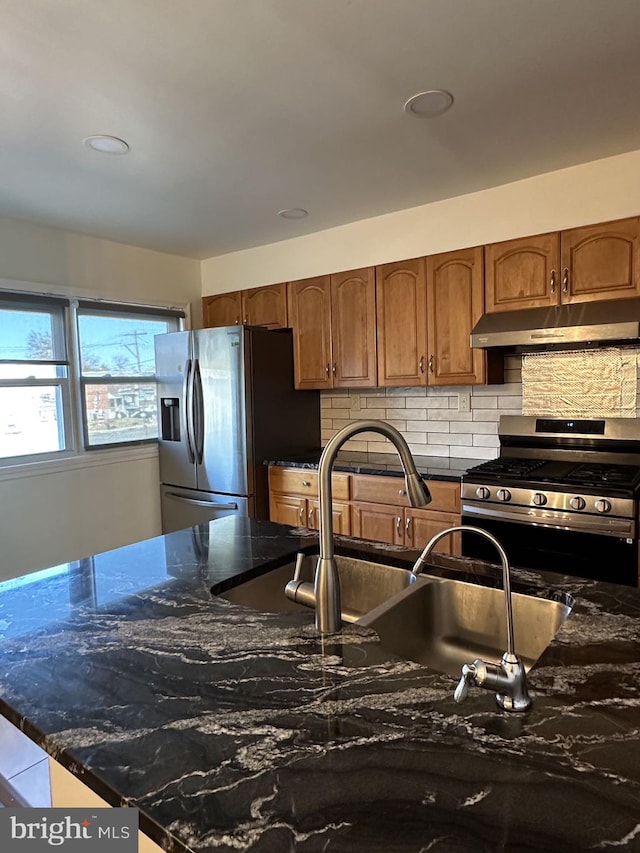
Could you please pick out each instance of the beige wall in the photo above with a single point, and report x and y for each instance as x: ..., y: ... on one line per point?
x: 65, y: 262
x: 593, y: 192
x: 101, y: 500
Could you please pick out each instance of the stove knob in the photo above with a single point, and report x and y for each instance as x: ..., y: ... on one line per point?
x: 503, y: 495
x: 539, y: 499
x: 483, y: 493
x: 578, y: 503
x: 603, y: 505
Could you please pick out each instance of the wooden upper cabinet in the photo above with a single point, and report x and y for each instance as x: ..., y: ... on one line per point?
x: 587, y: 264
x: 309, y: 306
x: 334, y: 331
x: 223, y: 309
x: 455, y: 301
x: 600, y: 262
x: 353, y: 329
x: 523, y: 273
x: 265, y: 306
x: 401, y: 305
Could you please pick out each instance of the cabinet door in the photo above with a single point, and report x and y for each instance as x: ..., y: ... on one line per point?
x: 523, y: 273
x: 455, y: 302
x: 401, y: 308
x: 341, y: 513
x: 265, y: 306
x: 445, y: 496
x: 600, y: 262
x: 353, y: 329
x: 287, y: 509
x: 379, y: 489
x: 377, y: 522
x: 309, y: 303
x: 224, y: 309
x: 304, y: 483
x: 422, y: 524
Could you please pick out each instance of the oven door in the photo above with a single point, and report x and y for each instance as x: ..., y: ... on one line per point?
x: 581, y: 553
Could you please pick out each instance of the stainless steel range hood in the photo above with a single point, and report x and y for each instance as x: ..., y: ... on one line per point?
x: 565, y: 326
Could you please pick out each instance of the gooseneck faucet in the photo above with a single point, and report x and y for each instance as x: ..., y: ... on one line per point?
x: 327, y: 581
x: 509, y: 678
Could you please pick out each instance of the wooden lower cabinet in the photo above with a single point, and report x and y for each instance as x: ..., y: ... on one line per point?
x: 293, y: 498
x: 288, y: 509
x: 380, y: 512
x: 300, y: 512
x: 404, y: 526
x: 378, y: 522
x: 341, y: 513
x: 422, y: 524
x: 367, y: 506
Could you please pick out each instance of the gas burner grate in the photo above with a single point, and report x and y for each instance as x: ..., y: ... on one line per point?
x: 516, y: 468
x: 591, y: 473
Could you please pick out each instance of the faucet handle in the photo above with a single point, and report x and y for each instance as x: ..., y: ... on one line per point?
x: 507, y: 678
x: 466, y: 680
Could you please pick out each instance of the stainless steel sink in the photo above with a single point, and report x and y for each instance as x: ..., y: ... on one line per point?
x: 364, y: 586
x: 445, y: 623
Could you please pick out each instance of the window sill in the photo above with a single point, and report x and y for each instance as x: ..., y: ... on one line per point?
x: 89, y: 459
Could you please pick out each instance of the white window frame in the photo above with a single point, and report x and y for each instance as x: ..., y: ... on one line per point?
x: 115, y: 312
x: 73, y: 409
x: 58, y: 309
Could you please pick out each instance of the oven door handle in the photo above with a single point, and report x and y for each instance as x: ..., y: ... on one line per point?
x: 619, y: 527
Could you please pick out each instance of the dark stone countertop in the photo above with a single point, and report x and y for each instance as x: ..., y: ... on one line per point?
x: 236, y: 730
x: 359, y: 462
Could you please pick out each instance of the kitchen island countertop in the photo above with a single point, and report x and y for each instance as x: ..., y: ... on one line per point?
x: 236, y: 730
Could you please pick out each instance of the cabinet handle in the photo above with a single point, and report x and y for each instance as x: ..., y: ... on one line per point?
x: 398, y: 526
x: 421, y: 364
x: 553, y: 281
x: 301, y: 514
x: 335, y: 368
x: 565, y: 280
x: 311, y: 517
x: 246, y: 320
x: 407, y: 529
x: 306, y: 483
x: 237, y: 321
x: 326, y: 370
x: 431, y: 360
x: 401, y: 492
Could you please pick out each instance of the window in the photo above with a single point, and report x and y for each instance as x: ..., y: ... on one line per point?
x: 51, y: 402
x: 35, y: 404
x: 117, y: 373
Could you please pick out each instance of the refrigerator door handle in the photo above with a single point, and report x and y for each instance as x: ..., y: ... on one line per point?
x: 193, y: 502
x: 198, y: 411
x: 186, y: 396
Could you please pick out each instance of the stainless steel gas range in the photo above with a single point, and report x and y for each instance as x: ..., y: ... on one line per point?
x: 562, y: 496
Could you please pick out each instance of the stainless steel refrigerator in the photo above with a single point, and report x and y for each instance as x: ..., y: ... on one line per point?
x: 226, y: 403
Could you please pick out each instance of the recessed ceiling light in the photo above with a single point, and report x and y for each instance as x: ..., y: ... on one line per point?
x: 293, y: 213
x: 429, y: 104
x: 107, y: 144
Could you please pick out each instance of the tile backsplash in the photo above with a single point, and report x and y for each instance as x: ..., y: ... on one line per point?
x: 430, y: 418
x: 593, y: 383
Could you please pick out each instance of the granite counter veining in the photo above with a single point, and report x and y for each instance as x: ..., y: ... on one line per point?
x: 236, y: 730
x: 360, y: 462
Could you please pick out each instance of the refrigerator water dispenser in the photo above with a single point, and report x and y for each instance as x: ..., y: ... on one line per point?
x: 170, y: 418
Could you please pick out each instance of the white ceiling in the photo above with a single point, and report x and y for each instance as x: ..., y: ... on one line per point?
x: 235, y: 109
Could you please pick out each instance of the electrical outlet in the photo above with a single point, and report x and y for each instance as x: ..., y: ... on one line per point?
x: 464, y: 401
